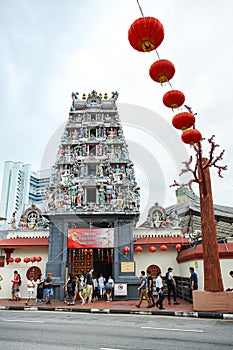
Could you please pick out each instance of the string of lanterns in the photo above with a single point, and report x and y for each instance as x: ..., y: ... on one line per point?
x: 153, y: 249
x: 26, y: 260
x: 145, y: 35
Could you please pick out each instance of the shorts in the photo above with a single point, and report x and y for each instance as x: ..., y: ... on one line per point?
x: 14, y: 289
x: 48, y: 292
x: 31, y: 294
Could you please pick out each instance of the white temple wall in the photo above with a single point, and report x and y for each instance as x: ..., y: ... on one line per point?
x: 161, y: 259
x: 7, y: 272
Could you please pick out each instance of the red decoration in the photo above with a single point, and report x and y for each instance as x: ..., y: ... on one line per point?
x: 183, y: 120
x: 152, y: 249
x: 38, y: 258
x: 85, y: 251
x: 163, y: 248
x: 138, y: 249
x: 162, y: 71
x: 191, y: 136
x: 11, y: 260
x: 178, y: 247
x: 91, y: 251
x: 173, y: 99
x: 17, y: 260
x: 146, y: 34
x: 33, y: 259
x: 26, y: 260
x: 126, y: 250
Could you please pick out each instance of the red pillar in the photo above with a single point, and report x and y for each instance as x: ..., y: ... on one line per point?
x: 212, y: 270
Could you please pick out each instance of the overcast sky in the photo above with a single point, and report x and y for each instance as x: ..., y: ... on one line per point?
x: 50, y: 48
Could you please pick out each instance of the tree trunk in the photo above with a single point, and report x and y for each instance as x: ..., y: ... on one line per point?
x: 212, y: 270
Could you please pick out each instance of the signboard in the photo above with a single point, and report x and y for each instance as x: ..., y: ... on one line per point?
x: 90, y: 238
x: 120, y: 289
x: 127, y: 266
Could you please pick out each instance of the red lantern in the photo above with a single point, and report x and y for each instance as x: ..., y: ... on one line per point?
x: 152, y: 249
x: 163, y: 248
x: 173, y: 99
x: 33, y: 259
x: 85, y: 251
x: 91, y: 251
x: 126, y: 250
x: 138, y: 249
x: 178, y: 247
x: 183, y: 120
x: 146, y: 34
x: 17, y: 260
x: 26, y: 260
x: 38, y: 258
x: 162, y: 71
x: 191, y: 136
x: 11, y: 260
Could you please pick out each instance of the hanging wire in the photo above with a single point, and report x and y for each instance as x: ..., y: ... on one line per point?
x: 140, y: 8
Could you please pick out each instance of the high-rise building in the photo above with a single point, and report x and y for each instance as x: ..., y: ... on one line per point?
x: 21, y: 187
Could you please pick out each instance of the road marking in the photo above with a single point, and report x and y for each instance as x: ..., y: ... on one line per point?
x: 26, y: 321
x: 174, y: 329
x: 109, y: 349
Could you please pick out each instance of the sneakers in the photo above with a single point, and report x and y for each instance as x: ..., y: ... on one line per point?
x: 176, y: 303
x: 83, y: 302
x: 137, y: 305
x: 149, y: 306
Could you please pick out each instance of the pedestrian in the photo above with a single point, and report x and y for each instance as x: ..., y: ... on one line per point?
x: 79, y: 289
x: 193, y: 281
x: 171, y: 286
x: 89, y: 286
x: 95, y: 289
x: 150, y: 287
x: 143, y: 292
x: 40, y: 289
x: 230, y: 289
x: 159, y: 289
x: 70, y: 290
x: 109, y: 289
x: 101, y: 281
x: 15, y: 286
x: 48, y: 284
x: 31, y: 289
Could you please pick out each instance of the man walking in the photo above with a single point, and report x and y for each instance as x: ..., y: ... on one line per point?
x: 89, y: 286
x: 193, y: 281
x: 150, y: 287
x: 48, y: 282
x: 143, y: 292
x: 171, y: 286
x: 159, y: 289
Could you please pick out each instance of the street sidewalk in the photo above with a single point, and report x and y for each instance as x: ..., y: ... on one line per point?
x: 184, y: 309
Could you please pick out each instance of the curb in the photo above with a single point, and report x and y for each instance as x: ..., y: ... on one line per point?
x: 190, y: 314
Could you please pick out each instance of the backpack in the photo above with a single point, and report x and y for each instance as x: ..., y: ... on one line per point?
x: 20, y: 281
x: 168, y: 281
x: 70, y: 286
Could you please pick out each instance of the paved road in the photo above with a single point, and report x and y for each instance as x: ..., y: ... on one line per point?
x: 53, y: 330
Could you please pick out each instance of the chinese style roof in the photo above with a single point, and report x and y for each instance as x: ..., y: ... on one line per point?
x: 157, y: 241
x: 24, y: 243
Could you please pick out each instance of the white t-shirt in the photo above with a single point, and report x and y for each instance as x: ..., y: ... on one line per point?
x: 101, y: 281
x: 159, y: 282
x: 31, y: 285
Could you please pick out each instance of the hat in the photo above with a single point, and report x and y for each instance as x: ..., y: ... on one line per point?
x: 170, y: 269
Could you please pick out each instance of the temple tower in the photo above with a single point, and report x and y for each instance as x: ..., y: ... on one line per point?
x: 93, y: 199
